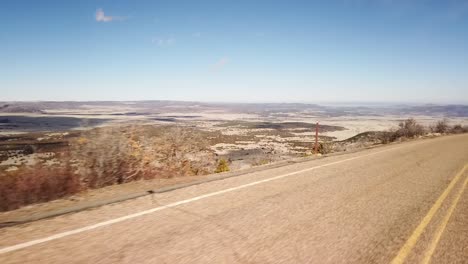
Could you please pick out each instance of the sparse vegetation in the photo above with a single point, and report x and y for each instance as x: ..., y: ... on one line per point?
x: 325, y: 147
x: 261, y: 162
x: 441, y: 126
x: 32, y: 184
x: 458, y: 129
x: 119, y: 154
x: 301, y: 126
x: 408, y: 129
x: 106, y: 156
x: 222, y: 166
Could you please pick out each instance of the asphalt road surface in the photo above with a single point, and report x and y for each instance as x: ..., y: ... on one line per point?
x: 401, y: 203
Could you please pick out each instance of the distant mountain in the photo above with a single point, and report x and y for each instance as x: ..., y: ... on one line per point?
x: 433, y: 110
x: 258, y: 108
x: 19, y: 108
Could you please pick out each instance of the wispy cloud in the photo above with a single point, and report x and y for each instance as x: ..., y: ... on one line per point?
x: 163, y: 42
x: 196, y: 34
x: 221, y: 63
x: 101, y: 17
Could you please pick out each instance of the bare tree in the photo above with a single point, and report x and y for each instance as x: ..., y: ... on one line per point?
x: 107, y: 156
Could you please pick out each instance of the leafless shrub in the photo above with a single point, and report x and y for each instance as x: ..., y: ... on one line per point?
x: 408, y: 129
x: 117, y: 155
x: 441, y: 126
x: 108, y: 156
x: 387, y: 137
x: 180, y: 151
x: 458, y: 129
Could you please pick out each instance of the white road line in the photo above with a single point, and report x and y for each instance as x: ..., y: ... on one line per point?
x: 123, y: 218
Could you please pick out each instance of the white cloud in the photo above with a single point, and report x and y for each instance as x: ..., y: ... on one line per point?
x: 101, y: 17
x: 163, y: 42
x: 221, y: 63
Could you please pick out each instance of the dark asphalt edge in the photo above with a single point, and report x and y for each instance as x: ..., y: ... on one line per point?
x: 222, y: 176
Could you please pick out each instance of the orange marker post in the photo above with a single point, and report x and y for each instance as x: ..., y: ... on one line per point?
x: 316, y: 138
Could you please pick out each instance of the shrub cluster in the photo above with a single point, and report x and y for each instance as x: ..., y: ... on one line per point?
x: 406, y: 129
x: 222, y: 166
x: 458, y: 129
x: 410, y: 129
x: 106, y: 156
x: 36, y: 184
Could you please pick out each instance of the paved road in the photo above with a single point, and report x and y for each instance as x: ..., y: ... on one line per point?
x: 401, y: 203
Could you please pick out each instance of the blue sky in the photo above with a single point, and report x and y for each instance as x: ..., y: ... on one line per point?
x: 235, y: 51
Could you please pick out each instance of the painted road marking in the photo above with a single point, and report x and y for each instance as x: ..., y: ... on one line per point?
x: 127, y: 217
x: 408, y: 246
x: 441, y: 228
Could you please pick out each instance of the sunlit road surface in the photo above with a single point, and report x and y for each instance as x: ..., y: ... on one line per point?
x: 402, y: 203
